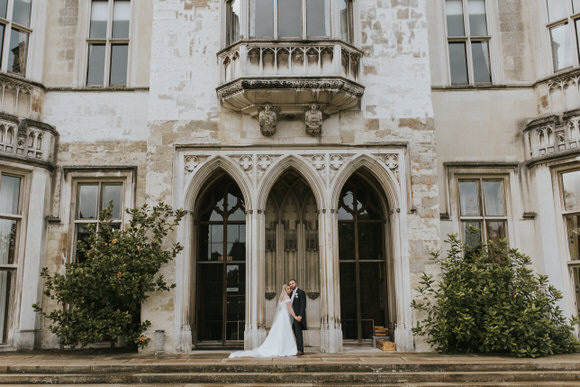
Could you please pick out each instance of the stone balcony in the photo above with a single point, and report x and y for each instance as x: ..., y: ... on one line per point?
x: 552, y: 136
x: 27, y: 140
x: 289, y: 80
x: 20, y: 97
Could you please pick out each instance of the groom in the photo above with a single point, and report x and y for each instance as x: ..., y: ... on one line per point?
x: 299, y: 306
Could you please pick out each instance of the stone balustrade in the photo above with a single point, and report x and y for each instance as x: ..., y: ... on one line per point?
x: 290, y: 75
x: 27, y: 140
x: 553, y: 135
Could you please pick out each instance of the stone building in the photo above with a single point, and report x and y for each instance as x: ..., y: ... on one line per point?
x: 332, y: 141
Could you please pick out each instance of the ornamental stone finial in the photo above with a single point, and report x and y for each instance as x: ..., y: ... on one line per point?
x: 313, y: 120
x: 268, y: 119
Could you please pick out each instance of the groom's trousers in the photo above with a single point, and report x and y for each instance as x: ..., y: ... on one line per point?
x: 297, y: 328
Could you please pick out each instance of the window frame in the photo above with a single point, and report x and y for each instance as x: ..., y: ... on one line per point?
x: 483, y: 218
x: 571, y: 32
x: 15, y: 269
x: 10, y: 25
x: 108, y: 41
x: 108, y: 174
x: 468, y: 40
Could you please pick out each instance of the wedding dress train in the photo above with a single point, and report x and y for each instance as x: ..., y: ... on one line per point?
x: 280, y: 340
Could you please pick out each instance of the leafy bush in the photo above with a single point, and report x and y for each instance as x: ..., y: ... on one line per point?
x: 101, y: 296
x: 488, y: 300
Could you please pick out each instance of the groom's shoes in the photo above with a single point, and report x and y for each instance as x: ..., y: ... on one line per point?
x: 299, y: 353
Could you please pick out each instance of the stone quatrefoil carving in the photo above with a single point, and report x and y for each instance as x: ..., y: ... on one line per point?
x: 327, y: 165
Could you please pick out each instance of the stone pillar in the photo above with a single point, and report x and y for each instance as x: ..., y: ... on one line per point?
x: 402, y: 277
x: 548, y: 223
x: 330, y: 325
x: 33, y: 260
x: 255, y: 332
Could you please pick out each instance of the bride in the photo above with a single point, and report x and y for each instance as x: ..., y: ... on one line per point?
x: 280, y: 340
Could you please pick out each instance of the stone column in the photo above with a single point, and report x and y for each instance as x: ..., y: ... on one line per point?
x: 34, y: 228
x: 548, y: 223
x: 402, y: 277
x: 330, y: 325
x: 255, y: 332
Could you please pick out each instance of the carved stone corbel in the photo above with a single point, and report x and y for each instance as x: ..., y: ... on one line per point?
x: 313, y: 120
x: 268, y: 119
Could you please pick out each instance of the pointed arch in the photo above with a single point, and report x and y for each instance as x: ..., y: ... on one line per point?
x: 385, y: 178
x: 207, y: 171
x: 306, y: 171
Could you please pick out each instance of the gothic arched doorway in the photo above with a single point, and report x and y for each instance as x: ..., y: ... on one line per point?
x: 362, y: 238
x: 292, y: 248
x: 221, y: 263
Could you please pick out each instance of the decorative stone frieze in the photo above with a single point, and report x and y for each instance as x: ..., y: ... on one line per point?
x: 192, y: 162
x: 391, y: 160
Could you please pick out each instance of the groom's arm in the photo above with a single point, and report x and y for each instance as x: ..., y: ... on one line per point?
x: 302, y: 303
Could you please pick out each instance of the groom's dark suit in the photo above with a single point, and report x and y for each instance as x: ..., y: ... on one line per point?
x: 299, y: 307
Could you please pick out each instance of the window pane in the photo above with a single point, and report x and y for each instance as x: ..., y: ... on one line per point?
x: 9, y: 194
x: 346, y: 241
x: 99, y: 16
x: 7, y: 241
x: 83, y: 235
x: 119, y: 53
x: 211, y: 298
x: 469, y: 198
x: 316, y: 18
x: 2, y: 27
x: 454, y: 12
x: 369, y: 241
x: 21, y: 13
x: 236, y: 242
x: 576, y: 282
x: 577, y: 23
x: 87, y: 206
x: 346, y: 206
x: 561, y: 48
x: 481, y: 72
x: 112, y: 192
x: 234, y: 21
x: 96, y: 70
x: 493, y: 194
x: 458, y: 62
x: 121, y: 17
x: 495, y: 231
x: 372, y: 297
x: 262, y: 18
x: 289, y: 18
x: 571, y: 190
x: 236, y: 210
x: 471, y: 232
x: 348, y: 303
x: 557, y: 9
x: 573, y: 229
x: 18, y: 51
x: 576, y: 5
x: 345, y: 20
x: 5, y: 296
x: 477, y: 22
x: 215, y: 242
x: 3, y: 5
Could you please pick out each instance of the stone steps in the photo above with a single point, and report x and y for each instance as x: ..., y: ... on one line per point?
x: 228, y: 374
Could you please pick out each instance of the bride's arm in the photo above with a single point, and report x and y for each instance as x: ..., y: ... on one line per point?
x: 290, y: 310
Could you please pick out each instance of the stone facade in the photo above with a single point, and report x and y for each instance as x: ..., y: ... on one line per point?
x: 379, y: 106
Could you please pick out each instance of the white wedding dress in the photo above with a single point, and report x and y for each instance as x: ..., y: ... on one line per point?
x: 280, y: 340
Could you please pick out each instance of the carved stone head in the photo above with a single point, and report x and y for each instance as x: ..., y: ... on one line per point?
x: 313, y: 120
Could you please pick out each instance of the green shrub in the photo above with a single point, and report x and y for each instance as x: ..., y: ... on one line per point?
x: 100, y: 297
x: 488, y: 300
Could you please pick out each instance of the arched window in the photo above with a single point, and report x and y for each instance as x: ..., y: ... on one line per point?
x: 221, y: 263
x: 363, y: 269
